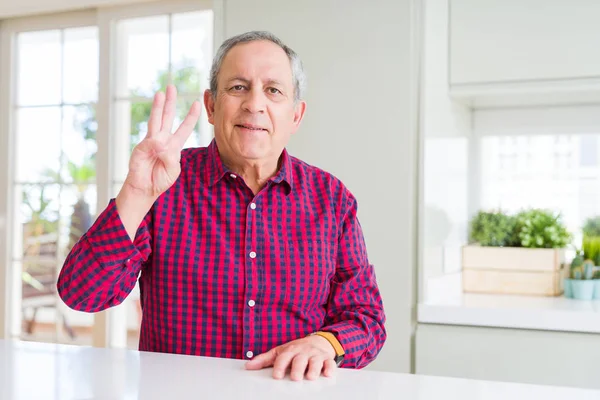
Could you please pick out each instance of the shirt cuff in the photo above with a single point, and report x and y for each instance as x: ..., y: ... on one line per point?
x: 110, y: 240
x: 350, y: 337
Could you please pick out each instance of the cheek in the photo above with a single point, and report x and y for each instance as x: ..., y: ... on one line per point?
x: 283, y: 118
x: 225, y: 108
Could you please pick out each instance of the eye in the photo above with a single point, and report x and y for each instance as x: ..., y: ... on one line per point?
x: 237, y: 88
x: 273, y: 90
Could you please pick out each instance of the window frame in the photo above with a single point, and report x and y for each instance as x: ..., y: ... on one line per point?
x: 109, y: 328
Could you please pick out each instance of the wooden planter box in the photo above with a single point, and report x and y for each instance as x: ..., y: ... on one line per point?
x: 513, y: 270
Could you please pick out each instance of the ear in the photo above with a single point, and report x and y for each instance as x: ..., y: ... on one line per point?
x: 209, y: 104
x: 299, y: 110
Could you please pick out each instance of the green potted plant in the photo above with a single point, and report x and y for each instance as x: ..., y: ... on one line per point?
x: 518, y: 254
x: 581, y: 284
x: 591, y: 227
x: 583, y: 281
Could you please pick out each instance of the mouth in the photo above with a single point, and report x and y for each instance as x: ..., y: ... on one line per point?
x: 250, y: 127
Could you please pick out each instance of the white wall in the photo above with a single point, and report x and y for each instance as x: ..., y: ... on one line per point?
x: 17, y: 8
x: 521, y: 40
x: 360, y: 125
x: 446, y: 131
x: 511, y: 355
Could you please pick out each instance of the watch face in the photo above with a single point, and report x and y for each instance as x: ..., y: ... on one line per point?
x: 338, y: 360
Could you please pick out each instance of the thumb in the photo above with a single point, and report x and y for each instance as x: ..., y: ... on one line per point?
x: 263, y: 360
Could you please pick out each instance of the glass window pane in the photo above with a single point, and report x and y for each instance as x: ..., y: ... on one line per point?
x: 192, y: 47
x: 589, y: 151
x: 38, y: 144
x: 131, y: 125
x: 53, y: 218
x: 38, y: 217
x: 143, y: 55
x: 79, y: 143
x: 39, y: 68
x: 198, y: 137
x: 80, y: 60
x: 542, y: 171
x: 77, y: 212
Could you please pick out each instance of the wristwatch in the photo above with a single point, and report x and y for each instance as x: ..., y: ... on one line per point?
x: 339, y: 350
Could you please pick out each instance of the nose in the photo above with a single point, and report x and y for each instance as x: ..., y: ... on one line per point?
x: 254, y: 101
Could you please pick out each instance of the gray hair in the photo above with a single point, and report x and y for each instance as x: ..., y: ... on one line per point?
x: 298, y: 75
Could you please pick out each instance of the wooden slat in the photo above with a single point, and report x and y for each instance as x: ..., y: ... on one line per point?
x: 512, y: 258
x: 507, y: 282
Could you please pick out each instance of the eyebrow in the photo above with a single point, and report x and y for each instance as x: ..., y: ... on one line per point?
x: 275, y: 82
x: 246, y: 81
x: 238, y: 78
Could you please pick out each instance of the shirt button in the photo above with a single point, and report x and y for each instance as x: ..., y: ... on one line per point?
x: 251, y: 303
x: 233, y: 176
x: 252, y: 254
x: 253, y: 206
x: 249, y: 354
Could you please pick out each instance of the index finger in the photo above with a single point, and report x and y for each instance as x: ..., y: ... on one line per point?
x: 262, y: 360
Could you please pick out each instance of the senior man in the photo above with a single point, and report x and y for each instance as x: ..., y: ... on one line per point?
x: 241, y: 250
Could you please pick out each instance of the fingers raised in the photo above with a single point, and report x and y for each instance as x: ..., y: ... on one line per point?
x: 154, y: 122
x: 168, y: 114
x: 187, y: 126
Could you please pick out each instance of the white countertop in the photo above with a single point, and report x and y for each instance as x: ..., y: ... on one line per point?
x: 48, y: 371
x: 506, y: 311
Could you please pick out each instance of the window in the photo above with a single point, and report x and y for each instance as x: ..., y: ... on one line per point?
x: 72, y: 125
x: 509, y: 159
x: 557, y: 172
x: 54, y: 185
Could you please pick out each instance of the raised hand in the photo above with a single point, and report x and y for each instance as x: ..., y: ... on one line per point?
x: 154, y: 163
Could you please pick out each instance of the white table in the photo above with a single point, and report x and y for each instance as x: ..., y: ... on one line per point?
x: 47, y: 371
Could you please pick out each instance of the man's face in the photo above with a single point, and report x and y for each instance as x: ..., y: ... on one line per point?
x: 253, y: 111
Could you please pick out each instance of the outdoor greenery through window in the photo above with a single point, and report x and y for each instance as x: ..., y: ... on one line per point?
x: 56, y: 133
x: 54, y: 186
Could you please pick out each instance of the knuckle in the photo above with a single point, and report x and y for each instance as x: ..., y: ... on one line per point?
x: 290, y: 348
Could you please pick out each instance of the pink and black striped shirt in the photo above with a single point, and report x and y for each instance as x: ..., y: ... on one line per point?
x: 226, y: 273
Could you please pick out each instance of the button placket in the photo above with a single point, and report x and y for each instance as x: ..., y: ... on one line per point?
x: 253, y: 265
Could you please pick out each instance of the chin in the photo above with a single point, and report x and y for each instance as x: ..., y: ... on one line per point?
x: 253, y: 154
x: 253, y: 151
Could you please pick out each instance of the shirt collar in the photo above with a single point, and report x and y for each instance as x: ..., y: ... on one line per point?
x: 216, y: 170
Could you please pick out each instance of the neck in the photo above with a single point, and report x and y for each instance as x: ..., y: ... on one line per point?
x: 255, y: 173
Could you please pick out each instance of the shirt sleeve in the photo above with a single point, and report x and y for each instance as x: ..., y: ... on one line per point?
x: 103, y: 266
x: 355, y: 309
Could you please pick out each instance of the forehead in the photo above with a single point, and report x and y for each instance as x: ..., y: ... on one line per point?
x: 262, y: 60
